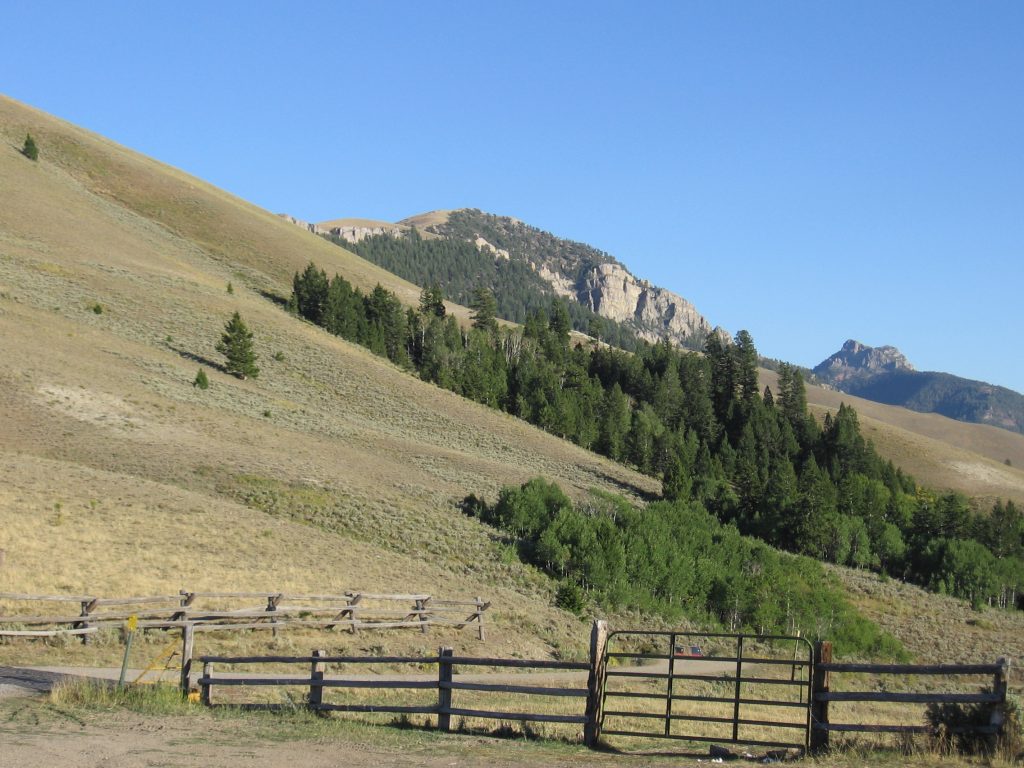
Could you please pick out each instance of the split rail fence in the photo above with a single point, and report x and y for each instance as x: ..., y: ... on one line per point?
x: 275, y: 610
x: 444, y: 683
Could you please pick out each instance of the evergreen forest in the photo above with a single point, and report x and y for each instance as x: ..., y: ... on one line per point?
x: 755, y: 461
x: 459, y: 268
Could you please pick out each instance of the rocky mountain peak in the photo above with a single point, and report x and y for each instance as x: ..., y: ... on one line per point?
x: 859, y: 361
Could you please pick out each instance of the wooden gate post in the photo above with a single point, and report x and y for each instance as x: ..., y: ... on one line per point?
x: 316, y: 681
x: 187, y: 640
x: 444, y: 693
x: 595, y: 683
x: 820, y: 684
x: 206, y: 685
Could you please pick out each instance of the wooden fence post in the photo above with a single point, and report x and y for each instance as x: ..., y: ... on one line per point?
x: 480, y: 617
x: 444, y: 693
x: 272, y: 601
x: 421, y: 606
x: 316, y: 680
x: 356, y: 599
x: 206, y: 685
x: 87, y: 607
x: 820, y: 684
x: 595, y: 682
x: 1000, y: 682
x: 187, y: 640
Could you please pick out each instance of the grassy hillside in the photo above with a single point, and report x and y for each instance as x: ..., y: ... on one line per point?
x: 120, y: 476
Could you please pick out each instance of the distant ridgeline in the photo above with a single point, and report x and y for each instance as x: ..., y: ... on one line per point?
x: 459, y: 267
x: 884, y: 375
x: 757, y: 461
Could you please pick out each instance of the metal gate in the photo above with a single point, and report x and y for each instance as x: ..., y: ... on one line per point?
x: 708, y: 687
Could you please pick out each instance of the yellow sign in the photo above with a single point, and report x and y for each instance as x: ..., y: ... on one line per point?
x: 133, y: 623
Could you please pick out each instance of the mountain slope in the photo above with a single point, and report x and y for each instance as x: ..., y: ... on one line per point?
x: 579, y: 272
x: 113, y: 283
x: 884, y: 375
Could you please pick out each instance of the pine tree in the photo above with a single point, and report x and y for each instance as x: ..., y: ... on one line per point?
x: 432, y: 301
x: 309, y: 291
x: 485, y: 309
x: 30, y: 150
x: 236, y: 346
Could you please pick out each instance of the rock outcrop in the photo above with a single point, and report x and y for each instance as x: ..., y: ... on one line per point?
x: 612, y: 291
x: 884, y: 375
x: 351, y: 231
x: 859, y: 361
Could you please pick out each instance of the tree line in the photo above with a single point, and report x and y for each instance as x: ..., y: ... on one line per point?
x: 754, y: 459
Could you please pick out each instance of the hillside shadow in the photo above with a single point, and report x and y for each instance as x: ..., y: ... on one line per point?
x: 628, y: 489
x: 276, y: 298
x: 199, y: 359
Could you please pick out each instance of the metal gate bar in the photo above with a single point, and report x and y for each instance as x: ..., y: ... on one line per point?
x: 762, y: 719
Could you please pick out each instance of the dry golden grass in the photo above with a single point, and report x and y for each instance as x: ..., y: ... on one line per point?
x: 428, y: 219
x: 333, y: 470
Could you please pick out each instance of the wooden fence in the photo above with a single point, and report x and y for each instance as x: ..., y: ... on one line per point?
x: 275, y: 610
x: 317, y: 681
x: 590, y: 714
x: 823, y: 722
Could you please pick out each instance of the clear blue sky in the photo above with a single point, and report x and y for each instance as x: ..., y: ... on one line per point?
x: 809, y: 171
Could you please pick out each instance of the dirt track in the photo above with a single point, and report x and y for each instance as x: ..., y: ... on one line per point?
x: 128, y: 741
x: 36, y: 735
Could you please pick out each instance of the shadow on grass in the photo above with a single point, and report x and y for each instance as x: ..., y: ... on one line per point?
x: 199, y: 359
x: 276, y: 298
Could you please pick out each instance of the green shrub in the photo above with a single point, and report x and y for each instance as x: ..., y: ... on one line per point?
x: 30, y: 150
x: 201, y: 380
x: 569, y: 597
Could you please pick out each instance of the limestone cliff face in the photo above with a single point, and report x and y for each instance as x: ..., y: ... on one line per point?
x: 613, y: 292
x: 353, y: 233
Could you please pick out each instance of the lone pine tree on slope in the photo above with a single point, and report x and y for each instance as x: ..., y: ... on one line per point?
x: 236, y: 346
x: 30, y: 149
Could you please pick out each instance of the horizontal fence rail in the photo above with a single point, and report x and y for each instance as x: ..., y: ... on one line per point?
x: 352, y: 611
x: 823, y: 696
x: 317, y: 682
